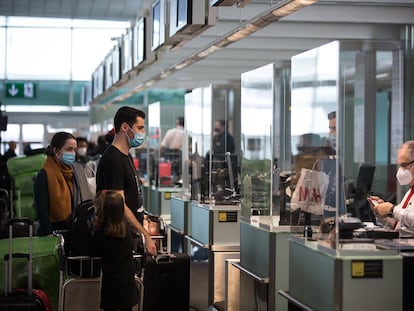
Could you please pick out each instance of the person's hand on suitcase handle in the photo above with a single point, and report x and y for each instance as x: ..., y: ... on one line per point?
x: 150, y: 245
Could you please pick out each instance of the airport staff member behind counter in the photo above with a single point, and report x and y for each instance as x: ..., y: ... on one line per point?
x: 400, y: 216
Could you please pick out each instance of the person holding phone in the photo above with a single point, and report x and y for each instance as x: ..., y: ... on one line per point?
x: 400, y: 216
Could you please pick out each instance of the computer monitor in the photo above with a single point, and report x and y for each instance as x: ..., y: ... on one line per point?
x: 360, y: 207
x: 222, y: 172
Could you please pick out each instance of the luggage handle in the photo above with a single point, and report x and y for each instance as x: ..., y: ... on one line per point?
x: 163, y: 258
x: 8, y: 258
x: 16, y: 255
x: 25, y: 220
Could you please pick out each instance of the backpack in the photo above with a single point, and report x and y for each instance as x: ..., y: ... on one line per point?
x: 80, y: 263
x: 82, y: 229
x: 83, y: 215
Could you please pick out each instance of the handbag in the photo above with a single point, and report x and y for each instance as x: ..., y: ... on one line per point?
x: 310, y: 191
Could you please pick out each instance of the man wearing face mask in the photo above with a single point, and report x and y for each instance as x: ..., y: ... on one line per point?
x: 223, y: 141
x: 54, y: 185
x: 400, y: 216
x: 332, y: 128
x: 116, y: 169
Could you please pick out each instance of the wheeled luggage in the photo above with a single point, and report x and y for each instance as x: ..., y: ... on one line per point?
x: 45, y: 263
x: 5, y: 204
x: 22, y: 299
x: 84, y: 294
x: 167, y: 282
x: 79, y: 287
x: 25, y: 164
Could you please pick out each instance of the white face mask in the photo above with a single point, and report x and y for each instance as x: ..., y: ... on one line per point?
x: 82, y: 151
x: 404, y: 176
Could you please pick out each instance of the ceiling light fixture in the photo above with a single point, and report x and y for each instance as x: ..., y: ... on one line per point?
x: 243, y: 32
x: 291, y: 7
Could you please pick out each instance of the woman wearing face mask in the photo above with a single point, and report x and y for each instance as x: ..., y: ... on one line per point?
x: 54, y: 185
x: 82, y: 150
x: 401, y: 216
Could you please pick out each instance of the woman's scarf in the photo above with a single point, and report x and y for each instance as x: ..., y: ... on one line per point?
x: 60, y: 186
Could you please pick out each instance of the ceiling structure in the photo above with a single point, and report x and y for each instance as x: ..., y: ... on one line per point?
x: 307, y: 28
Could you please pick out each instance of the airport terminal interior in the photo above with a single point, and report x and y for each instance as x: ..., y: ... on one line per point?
x: 294, y: 113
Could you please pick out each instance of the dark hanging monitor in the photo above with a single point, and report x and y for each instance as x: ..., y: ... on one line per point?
x: 188, y: 17
x: 116, y: 64
x: 108, y: 71
x: 139, y: 42
x: 126, y: 52
x: 158, y: 24
x: 101, y: 79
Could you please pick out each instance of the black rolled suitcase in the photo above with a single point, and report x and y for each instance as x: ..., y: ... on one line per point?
x: 167, y: 282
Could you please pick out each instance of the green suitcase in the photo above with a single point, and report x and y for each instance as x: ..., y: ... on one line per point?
x: 25, y: 207
x: 24, y: 182
x: 25, y: 164
x: 45, y: 265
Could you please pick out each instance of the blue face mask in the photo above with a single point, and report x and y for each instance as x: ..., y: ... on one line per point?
x: 332, y: 140
x: 68, y: 158
x: 137, y: 140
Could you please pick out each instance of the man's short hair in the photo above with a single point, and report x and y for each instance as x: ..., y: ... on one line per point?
x: 332, y: 115
x: 128, y: 115
x: 180, y: 121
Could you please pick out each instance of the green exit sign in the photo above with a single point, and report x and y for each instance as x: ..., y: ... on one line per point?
x: 20, y: 90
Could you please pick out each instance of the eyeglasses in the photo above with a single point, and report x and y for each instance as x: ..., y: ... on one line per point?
x: 405, y: 165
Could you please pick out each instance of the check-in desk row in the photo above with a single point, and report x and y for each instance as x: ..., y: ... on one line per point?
x: 250, y: 267
x: 279, y: 269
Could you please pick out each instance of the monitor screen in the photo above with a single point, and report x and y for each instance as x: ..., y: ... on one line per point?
x: 360, y: 207
x: 182, y: 13
x: 116, y: 64
x: 126, y: 52
x: 101, y: 79
x: 158, y: 24
x: 139, y: 42
x: 108, y: 71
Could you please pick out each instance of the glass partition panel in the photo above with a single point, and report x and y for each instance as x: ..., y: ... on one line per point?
x: 211, y: 112
x: 194, y: 125
x: 345, y: 99
x: 314, y: 95
x: 224, y: 141
x: 257, y: 160
x: 165, y: 153
x: 153, y: 142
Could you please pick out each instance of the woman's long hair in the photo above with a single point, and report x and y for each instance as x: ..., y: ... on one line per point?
x: 110, y: 214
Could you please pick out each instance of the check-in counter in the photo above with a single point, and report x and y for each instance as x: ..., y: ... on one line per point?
x: 263, y: 266
x: 160, y: 201
x: 215, y: 229
x: 178, y: 228
x: 356, y: 277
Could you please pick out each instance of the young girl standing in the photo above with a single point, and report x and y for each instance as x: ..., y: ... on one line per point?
x: 113, y: 243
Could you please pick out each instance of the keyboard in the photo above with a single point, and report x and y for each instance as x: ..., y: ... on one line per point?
x: 376, y: 233
x: 397, y: 244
